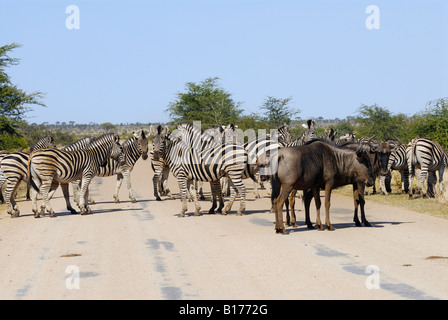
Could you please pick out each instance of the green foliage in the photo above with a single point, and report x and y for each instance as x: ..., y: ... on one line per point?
x: 379, y: 122
x: 14, y: 102
x: 206, y: 102
x: 278, y: 112
x: 433, y: 122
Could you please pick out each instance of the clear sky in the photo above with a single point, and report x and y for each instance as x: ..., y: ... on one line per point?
x: 128, y: 59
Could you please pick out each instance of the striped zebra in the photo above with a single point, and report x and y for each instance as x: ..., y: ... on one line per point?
x: 203, y: 165
x: 14, y: 169
x: 195, y: 138
x: 308, y: 135
x: 159, y: 166
x: 429, y: 157
x: 49, y: 167
x: 133, y: 148
x: 398, y: 161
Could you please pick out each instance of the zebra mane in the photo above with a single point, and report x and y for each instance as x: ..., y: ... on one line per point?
x: 95, y: 142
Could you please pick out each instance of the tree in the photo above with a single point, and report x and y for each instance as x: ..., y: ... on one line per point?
x: 433, y: 122
x: 379, y: 122
x: 204, y: 102
x: 278, y: 111
x: 14, y: 103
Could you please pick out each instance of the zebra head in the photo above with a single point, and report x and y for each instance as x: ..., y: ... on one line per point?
x: 45, y: 142
x: 159, y: 141
x: 142, y: 144
x: 310, y: 131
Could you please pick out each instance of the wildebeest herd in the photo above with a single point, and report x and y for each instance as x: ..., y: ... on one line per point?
x: 221, y: 156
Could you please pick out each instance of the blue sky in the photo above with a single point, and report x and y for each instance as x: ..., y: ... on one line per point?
x: 128, y: 59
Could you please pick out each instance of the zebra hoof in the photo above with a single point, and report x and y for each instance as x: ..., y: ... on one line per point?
x: 15, y: 214
x: 133, y: 200
x: 158, y: 199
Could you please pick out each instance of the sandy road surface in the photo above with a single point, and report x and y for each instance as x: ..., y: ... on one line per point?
x: 144, y: 250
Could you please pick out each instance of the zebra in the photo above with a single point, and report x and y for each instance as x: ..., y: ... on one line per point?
x: 14, y: 169
x: 133, y: 148
x: 397, y: 161
x: 202, y: 165
x: 159, y: 166
x: 195, y: 138
x: 308, y: 135
x: 49, y: 167
x: 429, y: 157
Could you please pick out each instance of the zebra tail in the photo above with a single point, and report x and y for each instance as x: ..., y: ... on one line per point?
x: 30, y: 176
x: 413, y: 147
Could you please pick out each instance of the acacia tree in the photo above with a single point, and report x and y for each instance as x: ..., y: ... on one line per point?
x: 14, y: 103
x: 278, y: 112
x: 433, y: 122
x: 379, y: 122
x: 205, y: 102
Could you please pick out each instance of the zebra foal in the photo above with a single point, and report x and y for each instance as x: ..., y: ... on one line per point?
x: 49, y: 167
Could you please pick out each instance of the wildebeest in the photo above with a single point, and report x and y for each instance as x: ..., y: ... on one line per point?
x: 316, y: 165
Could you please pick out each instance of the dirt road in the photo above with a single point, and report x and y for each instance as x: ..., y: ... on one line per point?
x: 144, y: 250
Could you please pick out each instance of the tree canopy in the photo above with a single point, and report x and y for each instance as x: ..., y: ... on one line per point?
x: 14, y: 103
x: 205, y: 102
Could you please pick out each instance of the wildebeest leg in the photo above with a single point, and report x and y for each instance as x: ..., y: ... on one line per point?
x: 292, y: 201
x: 285, y: 190
x: 328, y: 189
x: 307, y: 196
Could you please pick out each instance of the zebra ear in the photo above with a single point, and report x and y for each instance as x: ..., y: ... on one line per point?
x: 166, y: 130
x: 143, y: 134
x: 152, y: 131
x: 135, y: 134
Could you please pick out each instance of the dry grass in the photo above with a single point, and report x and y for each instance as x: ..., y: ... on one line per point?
x: 437, y: 206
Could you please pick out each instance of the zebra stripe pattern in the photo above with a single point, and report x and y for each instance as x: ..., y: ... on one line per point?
x: 49, y: 167
x: 14, y: 169
x: 398, y: 161
x: 205, y: 165
x: 429, y: 157
x: 133, y: 148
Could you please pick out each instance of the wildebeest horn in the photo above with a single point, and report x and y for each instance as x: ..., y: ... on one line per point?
x: 398, y: 139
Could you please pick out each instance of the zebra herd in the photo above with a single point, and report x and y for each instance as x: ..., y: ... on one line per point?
x: 193, y: 156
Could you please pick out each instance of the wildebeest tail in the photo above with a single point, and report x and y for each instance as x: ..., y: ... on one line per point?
x: 275, y: 182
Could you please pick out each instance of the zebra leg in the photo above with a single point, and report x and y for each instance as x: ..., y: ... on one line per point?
x: 216, y: 190
x: 200, y: 191
x: 423, y: 176
x: 117, y: 187
x: 164, y: 177
x: 127, y: 180
x: 84, y: 194
x: 10, y: 192
x: 65, y: 191
x: 195, y: 199
x: 183, y: 194
x: 45, y: 189
x: 240, y: 189
x: 155, y: 179
x: 441, y: 170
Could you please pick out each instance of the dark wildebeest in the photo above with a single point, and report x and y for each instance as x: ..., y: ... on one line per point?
x: 316, y: 165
